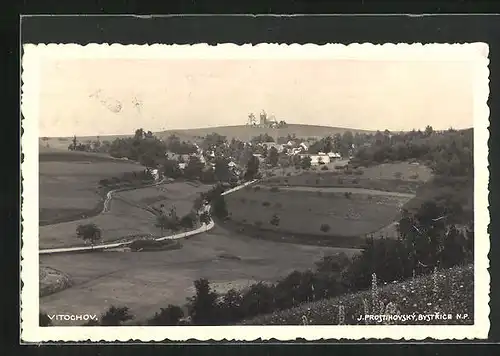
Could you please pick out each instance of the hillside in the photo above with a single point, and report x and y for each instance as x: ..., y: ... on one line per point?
x: 244, y: 132
x: 241, y: 132
x: 449, y: 291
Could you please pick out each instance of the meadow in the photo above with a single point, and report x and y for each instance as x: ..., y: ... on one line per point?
x: 390, y: 177
x: 146, y: 281
x: 69, y: 183
x: 334, y: 214
x: 125, y: 217
x: 449, y: 291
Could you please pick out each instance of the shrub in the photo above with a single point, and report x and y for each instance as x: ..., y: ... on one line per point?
x: 288, y: 174
x: 275, y: 189
x: 340, y: 181
x: 324, y: 168
x: 152, y: 245
x: 339, y: 167
x: 266, y: 203
x: 324, y: 227
x: 275, y: 220
x: 115, y: 316
x: 348, y: 195
x: 171, y: 315
x: 355, y: 181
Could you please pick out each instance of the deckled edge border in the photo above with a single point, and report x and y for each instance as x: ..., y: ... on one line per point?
x: 31, y: 332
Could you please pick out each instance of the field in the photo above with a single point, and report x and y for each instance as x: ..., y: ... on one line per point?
x: 68, y: 183
x: 447, y: 292
x: 148, y: 281
x: 306, y: 211
x: 180, y: 196
x: 381, y: 177
x: 124, y: 218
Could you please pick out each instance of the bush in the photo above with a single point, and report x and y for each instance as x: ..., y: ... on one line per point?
x: 171, y: 315
x: 355, y: 181
x: 324, y: 168
x: 266, y: 203
x: 325, y: 227
x: 340, y: 181
x: 348, y: 195
x: 115, y: 316
x: 275, y: 189
x: 152, y: 245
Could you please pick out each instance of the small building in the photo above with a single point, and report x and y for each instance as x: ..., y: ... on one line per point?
x: 334, y: 155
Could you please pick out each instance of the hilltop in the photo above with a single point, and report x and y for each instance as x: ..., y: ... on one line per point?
x: 245, y: 132
x: 240, y: 132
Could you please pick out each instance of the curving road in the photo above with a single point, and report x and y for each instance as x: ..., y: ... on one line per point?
x: 109, y: 196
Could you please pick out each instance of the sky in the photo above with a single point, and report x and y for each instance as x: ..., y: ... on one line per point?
x: 88, y: 97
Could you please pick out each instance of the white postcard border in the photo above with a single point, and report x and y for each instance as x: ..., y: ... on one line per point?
x: 33, y: 54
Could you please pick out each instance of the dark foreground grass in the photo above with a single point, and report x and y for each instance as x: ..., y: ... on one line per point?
x: 445, y: 292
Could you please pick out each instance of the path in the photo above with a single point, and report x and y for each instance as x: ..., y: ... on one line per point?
x: 344, y: 190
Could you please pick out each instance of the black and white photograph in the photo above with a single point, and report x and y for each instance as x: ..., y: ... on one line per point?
x: 255, y: 192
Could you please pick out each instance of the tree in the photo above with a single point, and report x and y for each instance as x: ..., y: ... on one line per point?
x: 89, y: 232
x: 167, y: 316
x: 325, y: 227
x: 428, y: 130
x: 230, y: 306
x: 222, y: 172
x: 115, y: 316
x: 305, y: 162
x: 194, y: 168
x: 275, y: 220
x: 273, y: 156
x: 188, y: 221
x: 203, y: 306
x: 205, y: 217
x: 171, y: 169
x: 219, y: 208
x: 259, y: 299
x: 139, y: 134
x: 163, y: 222
x: 252, y: 168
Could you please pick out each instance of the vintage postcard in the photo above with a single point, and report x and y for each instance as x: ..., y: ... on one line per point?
x: 262, y: 192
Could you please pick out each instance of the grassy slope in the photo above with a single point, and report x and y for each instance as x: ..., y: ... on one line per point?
x: 242, y: 132
x: 452, y: 293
